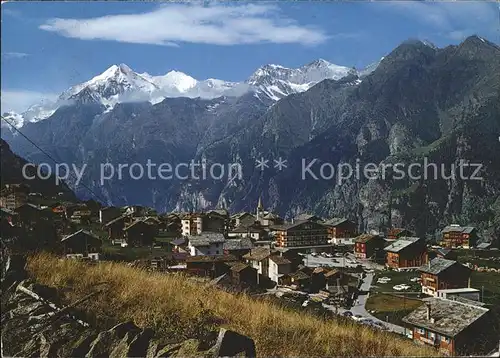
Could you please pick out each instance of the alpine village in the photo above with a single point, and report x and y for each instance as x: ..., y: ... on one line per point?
x: 440, y: 293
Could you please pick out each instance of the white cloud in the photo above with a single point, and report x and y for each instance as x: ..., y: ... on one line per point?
x: 187, y: 23
x: 9, y: 55
x: 20, y: 100
x: 455, y: 20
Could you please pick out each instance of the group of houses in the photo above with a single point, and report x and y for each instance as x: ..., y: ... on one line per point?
x: 262, y: 249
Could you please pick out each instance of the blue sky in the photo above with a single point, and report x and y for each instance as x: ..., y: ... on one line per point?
x: 49, y: 46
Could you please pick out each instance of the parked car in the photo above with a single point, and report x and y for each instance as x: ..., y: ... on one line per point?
x: 357, y: 317
x: 314, y: 254
x: 347, y: 314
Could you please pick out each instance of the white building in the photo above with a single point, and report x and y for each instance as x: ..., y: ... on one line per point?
x: 453, y: 293
x: 278, y: 266
x: 192, y: 224
x: 206, y: 244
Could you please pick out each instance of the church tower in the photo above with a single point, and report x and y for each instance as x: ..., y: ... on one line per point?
x: 260, y: 209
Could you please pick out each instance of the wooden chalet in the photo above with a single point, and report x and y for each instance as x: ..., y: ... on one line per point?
x: 108, y: 213
x: 442, y: 274
x: 301, y: 233
x: 366, y: 245
x: 340, y: 228
x: 397, y: 233
x: 209, y: 266
x: 243, y: 275
x: 139, y: 233
x: 406, y: 253
x: 454, y: 328
x: 115, y: 228
x: 81, y: 244
x: 456, y: 236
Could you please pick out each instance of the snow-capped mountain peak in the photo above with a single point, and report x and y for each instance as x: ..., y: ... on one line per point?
x: 173, y: 80
x: 115, y: 81
x: 119, y: 83
x: 277, y: 81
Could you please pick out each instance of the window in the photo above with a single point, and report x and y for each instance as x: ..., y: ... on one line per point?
x: 420, y: 331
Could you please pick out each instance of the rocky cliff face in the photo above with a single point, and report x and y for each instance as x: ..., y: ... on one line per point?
x: 420, y: 103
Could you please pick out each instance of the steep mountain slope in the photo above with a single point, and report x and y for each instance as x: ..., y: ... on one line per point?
x: 418, y: 102
x: 12, y: 173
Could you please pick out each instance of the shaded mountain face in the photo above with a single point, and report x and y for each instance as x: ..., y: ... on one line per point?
x: 12, y: 173
x: 419, y: 103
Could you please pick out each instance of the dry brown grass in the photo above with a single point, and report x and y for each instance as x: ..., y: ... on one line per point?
x: 163, y: 301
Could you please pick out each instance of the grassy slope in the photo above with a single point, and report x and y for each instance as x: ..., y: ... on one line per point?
x: 163, y: 301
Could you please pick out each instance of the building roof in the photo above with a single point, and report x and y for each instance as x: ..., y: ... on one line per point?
x: 458, y: 228
x: 459, y: 290
x: 135, y: 223
x: 258, y: 254
x: 443, y: 251
x: 484, y: 245
x: 239, y: 266
x: 206, y: 239
x: 247, y: 229
x: 365, y: 238
x: 238, y: 244
x: 180, y: 241
x: 119, y: 218
x: 220, y: 212
x: 28, y: 205
x: 437, y: 265
x: 211, y: 258
x: 280, y: 260
x: 396, y: 231
x: 85, y: 232
x: 331, y: 273
x: 300, y: 275
x: 306, y: 217
x: 335, y: 221
x: 239, y: 215
x: 402, y: 243
x: 6, y: 211
x: 289, y: 226
x: 271, y: 216
x: 447, y: 317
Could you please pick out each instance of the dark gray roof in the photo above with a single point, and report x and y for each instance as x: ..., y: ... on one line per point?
x: 239, y: 266
x: 305, y: 217
x: 119, y: 218
x: 206, y: 238
x: 258, y: 254
x: 443, y: 251
x: 180, y: 241
x: 437, y: 266
x: 7, y: 211
x: 280, y: 260
x: 402, y: 243
x: 247, y: 228
x: 335, y: 221
x: 446, y: 317
x: 238, y: 244
x: 85, y: 232
x: 484, y: 245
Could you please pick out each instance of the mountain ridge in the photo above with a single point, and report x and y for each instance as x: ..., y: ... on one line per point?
x: 419, y: 102
x: 119, y: 83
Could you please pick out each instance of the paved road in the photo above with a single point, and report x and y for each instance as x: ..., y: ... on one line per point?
x: 359, y: 307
